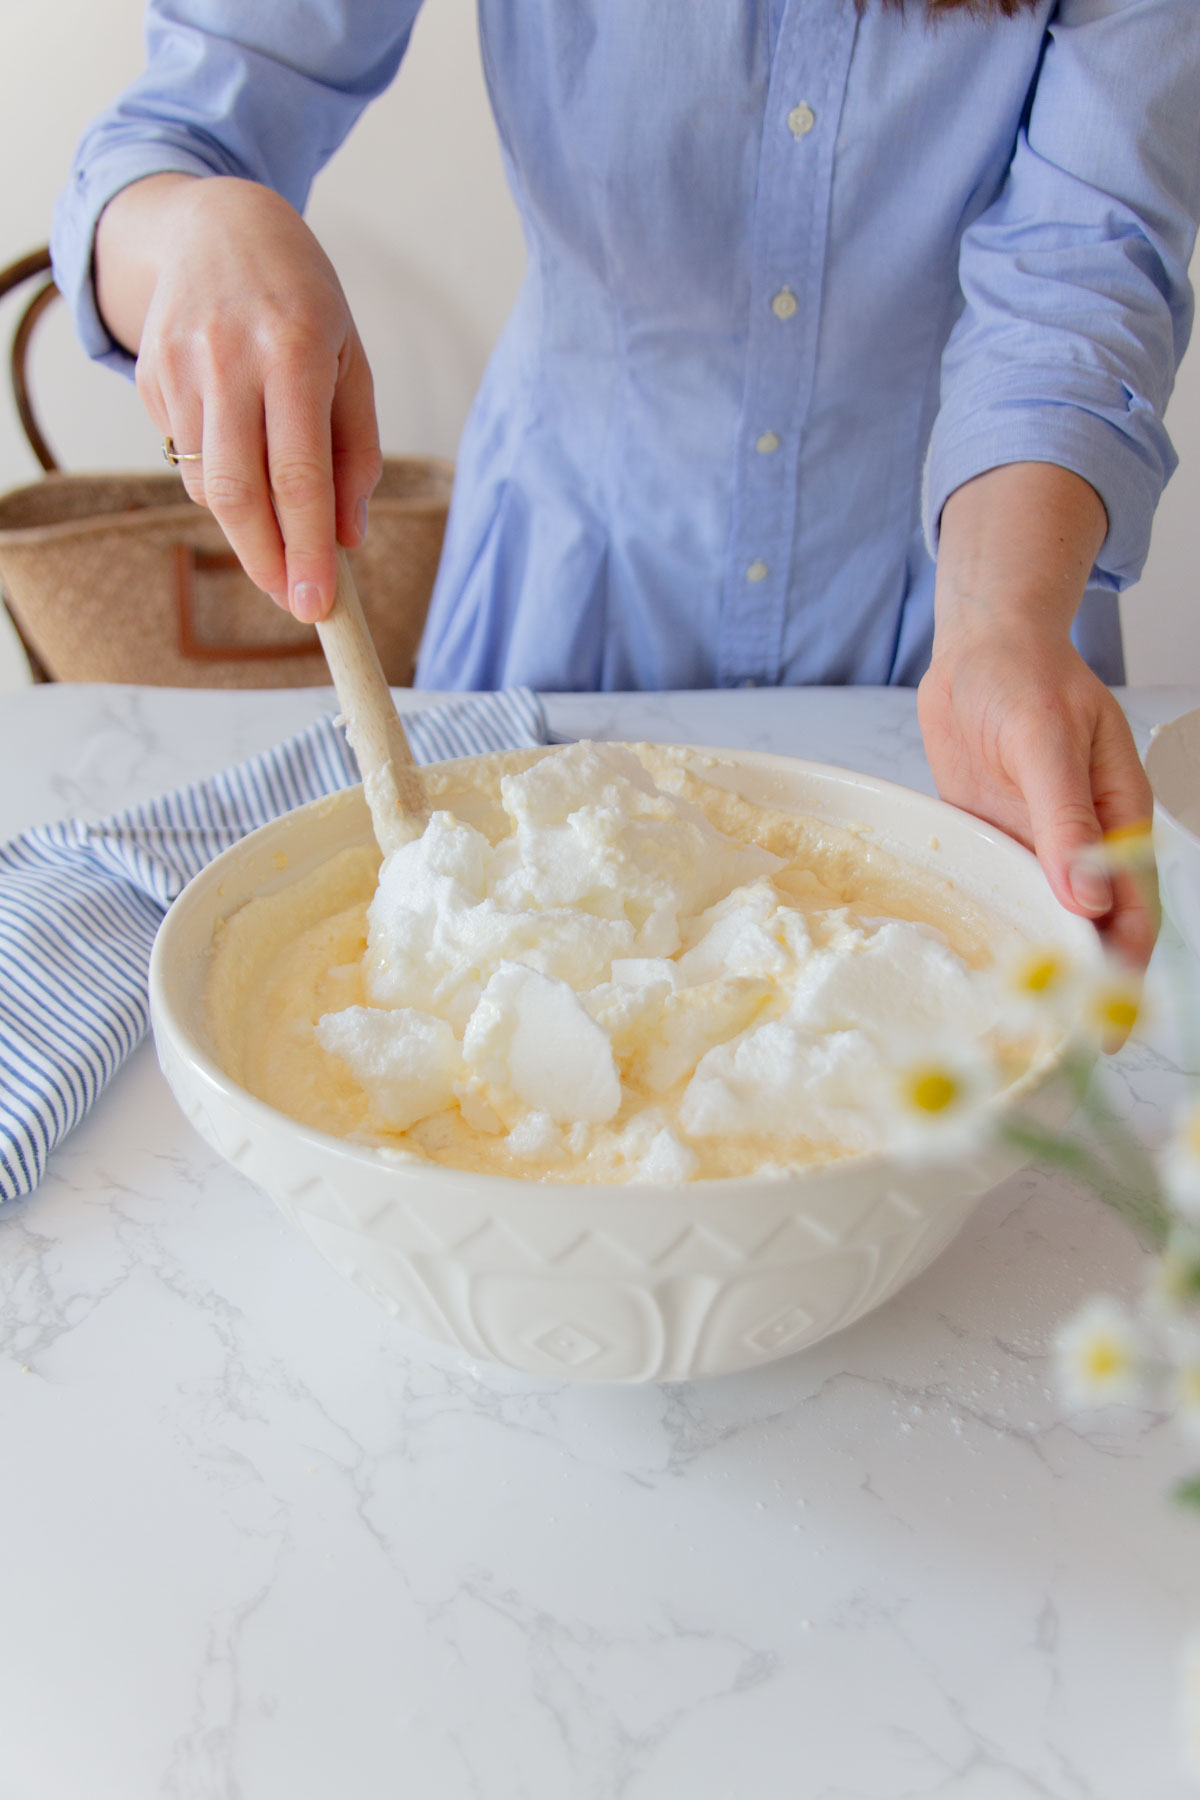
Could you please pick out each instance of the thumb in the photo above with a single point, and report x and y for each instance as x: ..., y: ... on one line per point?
x: 1056, y: 781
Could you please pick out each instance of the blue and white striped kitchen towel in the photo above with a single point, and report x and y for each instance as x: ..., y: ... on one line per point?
x: 80, y: 904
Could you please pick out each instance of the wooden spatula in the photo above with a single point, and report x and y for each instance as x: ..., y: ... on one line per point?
x: 391, y: 780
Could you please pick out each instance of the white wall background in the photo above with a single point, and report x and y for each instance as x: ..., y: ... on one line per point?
x: 416, y: 216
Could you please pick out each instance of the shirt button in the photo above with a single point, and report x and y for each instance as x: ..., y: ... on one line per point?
x: 757, y: 571
x: 801, y: 120
x: 767, y: 443
x: 784, y: 304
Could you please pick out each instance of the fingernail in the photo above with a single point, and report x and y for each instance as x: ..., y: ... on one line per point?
x: 280, y: 600
x: 360, y: 519
x: 1092, y: 890
x: 306, y: 602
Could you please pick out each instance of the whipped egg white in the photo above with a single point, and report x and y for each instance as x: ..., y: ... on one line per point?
x: 596, y: 966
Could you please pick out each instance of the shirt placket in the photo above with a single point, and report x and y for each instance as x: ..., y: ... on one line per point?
x: 788, y: 249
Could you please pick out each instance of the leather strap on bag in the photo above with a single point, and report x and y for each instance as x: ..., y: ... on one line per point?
x: 24, y: 269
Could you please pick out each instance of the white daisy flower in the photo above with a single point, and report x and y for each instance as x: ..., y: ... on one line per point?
x: 934, y: 1101
x: 1127, y: 847
x: 1111, y: 1003
x: 1038, y: 986
x: 1099, y: 1355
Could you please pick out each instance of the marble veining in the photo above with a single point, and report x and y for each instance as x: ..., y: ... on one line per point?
x: 259, y: 1542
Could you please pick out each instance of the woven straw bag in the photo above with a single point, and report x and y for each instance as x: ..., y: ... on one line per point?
x: 120, y: 577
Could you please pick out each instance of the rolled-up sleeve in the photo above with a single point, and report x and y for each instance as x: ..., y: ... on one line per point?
x: 266, y: 93
x: 1077, y: 305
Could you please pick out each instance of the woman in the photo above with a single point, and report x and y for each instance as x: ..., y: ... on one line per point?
x: 816, y: 293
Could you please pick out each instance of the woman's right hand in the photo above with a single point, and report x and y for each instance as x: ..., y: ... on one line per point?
x: 246, y: 351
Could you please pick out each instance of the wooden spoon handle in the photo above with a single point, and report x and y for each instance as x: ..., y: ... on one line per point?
x: 391, y: 780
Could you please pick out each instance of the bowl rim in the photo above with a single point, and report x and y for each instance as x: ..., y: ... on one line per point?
x: 1159, y: 736
x: 763, y: 1183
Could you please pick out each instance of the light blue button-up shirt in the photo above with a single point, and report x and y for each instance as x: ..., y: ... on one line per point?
x: 795, y: 273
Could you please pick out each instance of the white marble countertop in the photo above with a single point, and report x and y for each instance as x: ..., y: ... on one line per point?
x: 259, y: 1543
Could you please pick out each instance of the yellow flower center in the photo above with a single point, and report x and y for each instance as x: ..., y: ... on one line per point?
x: 1141, y: 833
x: 933, y: 1090
x: 1130, y: 846
x: 1103, y: 1360
x: 1120, y: 1011
x: 1040, y: 974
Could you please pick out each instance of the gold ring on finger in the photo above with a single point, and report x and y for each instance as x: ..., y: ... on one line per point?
x: 175, y: 457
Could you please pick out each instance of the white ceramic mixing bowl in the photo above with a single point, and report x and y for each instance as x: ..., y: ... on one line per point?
x: 607, y: 1283
x: 1173, y: 765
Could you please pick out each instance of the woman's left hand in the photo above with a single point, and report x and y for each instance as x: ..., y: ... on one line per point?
x: 1023, y: 734
x: 1017, y: 728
